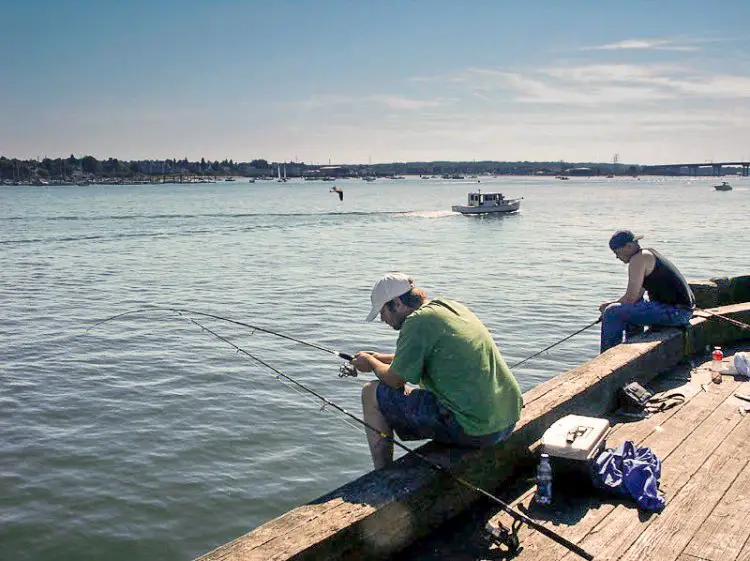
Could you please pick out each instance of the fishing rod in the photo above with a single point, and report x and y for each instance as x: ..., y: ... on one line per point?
x: 592, y: 324
x: 519, y: 517
x: 725, y: 318
x: 182, y: 311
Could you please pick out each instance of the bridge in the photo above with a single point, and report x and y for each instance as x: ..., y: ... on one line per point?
x: 693, y: 168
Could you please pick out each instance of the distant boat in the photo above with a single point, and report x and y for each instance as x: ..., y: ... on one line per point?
x: 724, y: 186
x: 281, y: 179
x: 229, y: 179
x: 488, y: 203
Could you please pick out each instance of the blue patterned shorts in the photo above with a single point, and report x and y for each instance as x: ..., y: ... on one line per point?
x: 419, y: 415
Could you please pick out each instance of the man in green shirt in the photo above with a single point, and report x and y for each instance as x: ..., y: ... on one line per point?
x: 466, y: 395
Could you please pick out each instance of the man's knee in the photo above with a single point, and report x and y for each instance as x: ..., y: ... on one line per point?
x: 369, y: 394
x: 612, y: 311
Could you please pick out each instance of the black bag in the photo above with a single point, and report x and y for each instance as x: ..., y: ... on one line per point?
x: 634, y: 396
x: 635, y: 400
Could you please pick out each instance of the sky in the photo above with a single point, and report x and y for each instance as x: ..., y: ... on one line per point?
x: 356, y: 81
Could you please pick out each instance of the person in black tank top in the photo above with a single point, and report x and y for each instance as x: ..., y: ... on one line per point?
x: 670, y: 299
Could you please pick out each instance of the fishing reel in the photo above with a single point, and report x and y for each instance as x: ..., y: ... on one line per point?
x: 504, y: 538
x: 347, y: 370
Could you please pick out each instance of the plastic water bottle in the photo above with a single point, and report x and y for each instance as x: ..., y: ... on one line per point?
x: 716, y: 365
x: 544, y: 481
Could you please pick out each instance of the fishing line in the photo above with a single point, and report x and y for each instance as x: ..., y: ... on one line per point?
x: 181, y: 311
x: 518, y: 516
x: 592, y: 324
x: 280, y: 376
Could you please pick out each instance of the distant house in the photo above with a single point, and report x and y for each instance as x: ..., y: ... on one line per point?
x: 580, y: 171
x: 330, y: 171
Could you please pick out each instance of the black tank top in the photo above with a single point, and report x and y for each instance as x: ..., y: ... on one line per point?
x: 667, y: 285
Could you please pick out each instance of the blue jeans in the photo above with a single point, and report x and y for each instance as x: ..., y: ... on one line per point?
x: 632, y: 317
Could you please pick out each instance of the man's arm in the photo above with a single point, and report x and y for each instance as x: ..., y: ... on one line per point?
x: 380, y: 365
x: 382, y: 357
x: 636, y: 274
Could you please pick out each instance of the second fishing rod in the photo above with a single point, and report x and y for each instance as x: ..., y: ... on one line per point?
x: 344, y: 372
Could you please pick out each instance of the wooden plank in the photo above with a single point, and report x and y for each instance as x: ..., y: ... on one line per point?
x: 281, y: 536
x: 624, y: 525
x: 725, y: 531
x: 745, y: 553
x: 670, y: 532
x: 686, y: 557
x: 667, y: 534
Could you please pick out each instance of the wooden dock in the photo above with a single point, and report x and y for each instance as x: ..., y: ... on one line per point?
x: 704, y: 446
x: 390, y: 510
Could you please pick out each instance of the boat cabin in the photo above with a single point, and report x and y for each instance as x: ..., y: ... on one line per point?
x: 482, y: 199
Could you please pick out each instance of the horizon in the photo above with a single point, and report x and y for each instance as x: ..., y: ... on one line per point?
x: 342, y: 84
x: 619, y: 163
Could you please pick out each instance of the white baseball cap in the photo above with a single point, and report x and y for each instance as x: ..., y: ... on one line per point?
x: 386, y: 289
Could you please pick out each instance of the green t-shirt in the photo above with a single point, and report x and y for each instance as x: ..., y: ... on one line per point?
x: 445, y: 348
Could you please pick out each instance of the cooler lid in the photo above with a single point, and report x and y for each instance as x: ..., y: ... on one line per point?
x: 575, y: 437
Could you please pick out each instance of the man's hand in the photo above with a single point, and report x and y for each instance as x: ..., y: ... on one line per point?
x: 380, y: 364
x: 362, y: 361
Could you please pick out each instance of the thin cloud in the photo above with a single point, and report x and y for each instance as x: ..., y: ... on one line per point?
x: 643, y: 44
x: 603, y: 84
x: 325, y: 100
x: 400, y: 102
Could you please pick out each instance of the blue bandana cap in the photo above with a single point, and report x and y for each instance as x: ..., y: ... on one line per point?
x: 621, y: 238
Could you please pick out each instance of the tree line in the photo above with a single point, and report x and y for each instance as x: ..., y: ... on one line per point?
x: 87, y: 166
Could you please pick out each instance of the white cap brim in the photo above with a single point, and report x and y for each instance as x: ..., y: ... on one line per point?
x: 373, y: 313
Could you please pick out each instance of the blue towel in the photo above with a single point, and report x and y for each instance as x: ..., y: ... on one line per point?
x: 631, y: 471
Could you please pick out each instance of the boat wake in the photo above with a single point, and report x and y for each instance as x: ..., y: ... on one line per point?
x: 425, y: 214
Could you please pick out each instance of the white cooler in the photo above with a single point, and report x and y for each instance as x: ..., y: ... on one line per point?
x: 572, y: 441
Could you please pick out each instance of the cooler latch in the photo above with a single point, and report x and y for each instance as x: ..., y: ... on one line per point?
x: 577, y: 432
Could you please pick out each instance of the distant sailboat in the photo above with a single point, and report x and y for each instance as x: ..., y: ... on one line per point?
x: 615, y: 159
x: 281, y: 179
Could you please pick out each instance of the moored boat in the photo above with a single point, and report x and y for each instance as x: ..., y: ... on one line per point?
x: 488, y: 203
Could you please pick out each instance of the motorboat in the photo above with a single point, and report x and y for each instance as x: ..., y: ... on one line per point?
x: 723, y: 186
x: 488, y: 203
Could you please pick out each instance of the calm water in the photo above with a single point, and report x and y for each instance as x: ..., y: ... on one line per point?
x: 149, y: 439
